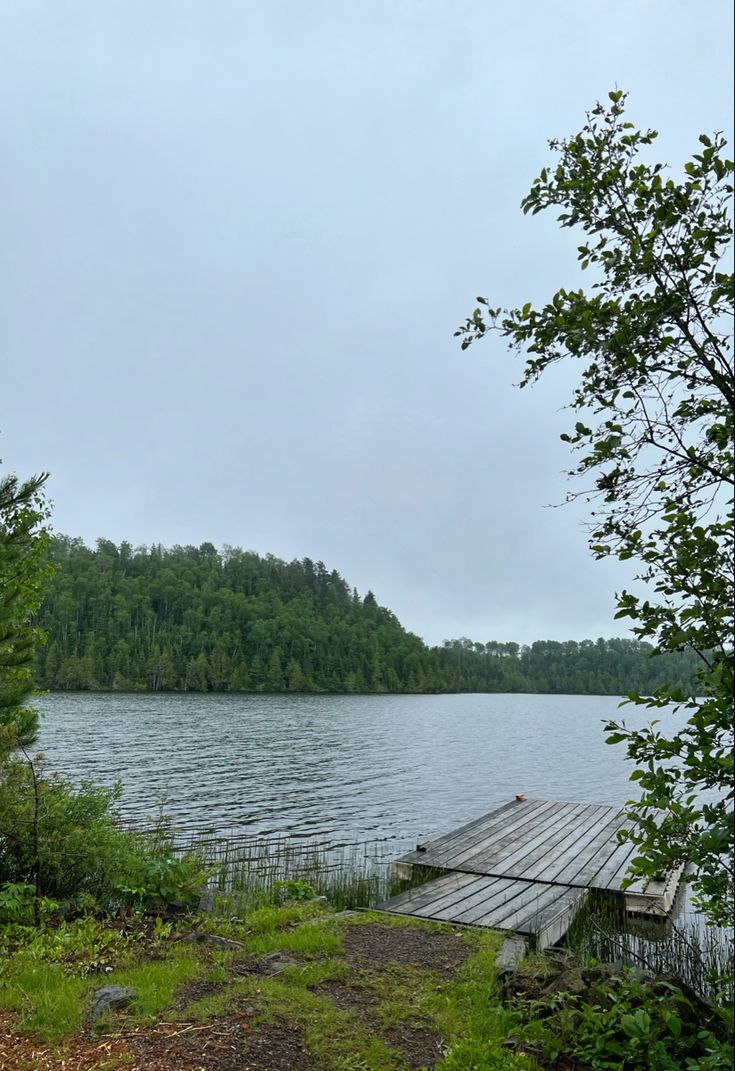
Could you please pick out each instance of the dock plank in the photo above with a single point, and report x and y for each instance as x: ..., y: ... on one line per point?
x: 496, y: 903
x: 602, y: 840
x: 525, y: 868
x: 502, y: 839
x: 573, y: 845
x: 540, y: 848
x: 488, y: 829
x: 415, y: 898
x: 436, y: 843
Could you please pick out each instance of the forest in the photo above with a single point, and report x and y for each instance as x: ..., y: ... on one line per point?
x: 196, y: 619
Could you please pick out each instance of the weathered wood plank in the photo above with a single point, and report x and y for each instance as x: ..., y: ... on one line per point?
x: 436, y: 843
x: 524, y: 907
x: 413, y: 899
x: 615, y: 880
x: 616, y: 862
x: 526, y: 868
x: 572, y: 846
x: 573, y: 870
x: 525, y: 824
x: 489, y: 829
x: 534, y: 849
x: 557, y: 919
x: 484, y: 902
x: 447, y: 901
x: 479, y: 902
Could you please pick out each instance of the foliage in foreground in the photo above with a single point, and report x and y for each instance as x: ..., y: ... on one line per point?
x: 62, y: 846
x: 628, y: 1024
x: 51, y: 972
x: 23, y: 569
x: 655, y: 401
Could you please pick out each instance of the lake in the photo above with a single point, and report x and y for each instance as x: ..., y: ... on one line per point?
x: 337, y: 769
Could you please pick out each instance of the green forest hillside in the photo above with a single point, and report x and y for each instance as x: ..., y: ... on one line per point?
x: 195, y: 619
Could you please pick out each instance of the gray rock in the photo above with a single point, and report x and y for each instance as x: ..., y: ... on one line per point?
x: 207, y: 901
x: 271, y: 964
x: 212, y: 940
x: 110, y: 996
x: 571, y: 981
x: 510, y: 955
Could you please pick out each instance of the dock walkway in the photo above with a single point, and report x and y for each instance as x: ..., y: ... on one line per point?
x: 527, y: 867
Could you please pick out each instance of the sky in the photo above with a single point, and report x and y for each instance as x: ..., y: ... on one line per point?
x: 237, y: 238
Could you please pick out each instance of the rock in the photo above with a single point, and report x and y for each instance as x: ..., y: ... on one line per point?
x: 207, y: 901
x: 272, y: 964
x: 177, y: 907
x: 600, y: 974
x: 110, y: 996
x: 510, y: 955
x: 570, y: 981
x: 212, y: 940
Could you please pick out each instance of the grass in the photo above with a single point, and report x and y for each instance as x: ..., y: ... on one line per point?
x: 49, y: 1002
x: 52, y: 1000
x: 155, y: 983
x: 354, y: 1011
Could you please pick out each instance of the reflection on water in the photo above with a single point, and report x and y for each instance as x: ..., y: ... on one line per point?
x: 339, y: 769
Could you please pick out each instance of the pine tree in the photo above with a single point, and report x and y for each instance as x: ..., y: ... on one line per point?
x: 23, y: 568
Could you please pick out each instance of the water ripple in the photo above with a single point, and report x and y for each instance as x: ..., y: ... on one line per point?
x: 341, y: 769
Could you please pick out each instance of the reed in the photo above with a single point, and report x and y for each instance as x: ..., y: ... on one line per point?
x: 250, y: 871
x: 697, y: 955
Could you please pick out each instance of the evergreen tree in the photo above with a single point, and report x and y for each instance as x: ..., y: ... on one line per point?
x: 23, y: 543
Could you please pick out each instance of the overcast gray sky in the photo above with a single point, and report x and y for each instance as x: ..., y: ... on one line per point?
x: 236, y: 239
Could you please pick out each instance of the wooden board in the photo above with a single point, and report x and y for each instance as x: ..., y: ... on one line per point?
x: 541, y: 913
x: 569, y: 844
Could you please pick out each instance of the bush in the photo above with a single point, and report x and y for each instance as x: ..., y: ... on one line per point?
x: 65, y: 844
x: 626, y: 1023
x: 161, y: 879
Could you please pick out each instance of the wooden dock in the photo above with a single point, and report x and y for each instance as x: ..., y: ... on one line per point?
x: 526, y: 868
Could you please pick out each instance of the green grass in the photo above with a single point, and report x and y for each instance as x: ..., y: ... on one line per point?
x: 315, y: 973
x: 209, y: 1007
x: 312, y: 940
x: 52, y: 998
x: 50, y: 1002
x: 155, y: 983
x: 476, y: 1024
x: 337, y: 1039
x: 45, y: 981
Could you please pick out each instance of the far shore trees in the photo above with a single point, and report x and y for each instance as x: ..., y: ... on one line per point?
x: 654, y: 436
x: 157, y: 619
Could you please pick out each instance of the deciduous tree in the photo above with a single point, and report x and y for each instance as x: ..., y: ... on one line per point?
x: 654, y: 402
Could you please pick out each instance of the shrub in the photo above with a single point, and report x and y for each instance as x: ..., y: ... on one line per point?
x: 64, y: 842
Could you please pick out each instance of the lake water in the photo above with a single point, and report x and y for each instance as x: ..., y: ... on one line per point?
x: 337, y: 769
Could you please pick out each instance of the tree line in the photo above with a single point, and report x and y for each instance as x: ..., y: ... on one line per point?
x: 125, y: 619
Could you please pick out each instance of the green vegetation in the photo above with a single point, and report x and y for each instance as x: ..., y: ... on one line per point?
x: 62, y: 849
x: 192, y: 619
x: 352, y: 992
x: 617, y: 1020
x: 700, y: 957
x: 655, y: 402
x: 23, y: 569
x: 250, y: 870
